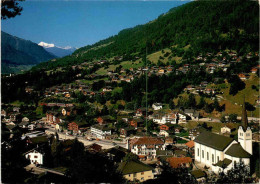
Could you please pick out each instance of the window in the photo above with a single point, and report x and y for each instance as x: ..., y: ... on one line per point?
x: 202, y: 153
x: 35, y: 156
x: 29, y: 156
x: 142, y: 173
x: 218, y: 158
x: 212, y: 158
x: 207, y: 155
x: 198, y: 152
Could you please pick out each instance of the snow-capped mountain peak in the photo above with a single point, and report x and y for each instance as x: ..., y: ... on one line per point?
x: 46, y: 45
x: 56, y: 50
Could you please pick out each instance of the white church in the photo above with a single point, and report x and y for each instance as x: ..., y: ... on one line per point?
x: 219, y: 152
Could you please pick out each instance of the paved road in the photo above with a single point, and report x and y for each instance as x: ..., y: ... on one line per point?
x: 106, y: 144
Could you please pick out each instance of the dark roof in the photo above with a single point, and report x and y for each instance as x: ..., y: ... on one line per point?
x: 164, y: 152
x: 40, y: 139
x: 198, y: 173
x: 236, y: 150
x: 224, y: 163
x: 23, y: 123
x: 218, y: 142
x: 133, y: 167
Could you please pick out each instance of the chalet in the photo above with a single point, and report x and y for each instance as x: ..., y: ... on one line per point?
x: 157, y: 106
x: 192, y: 113
x: 209, y: 91
x: 107, y: 89
x: 116, y: 153
x: 140, y: 112
x: 16, y: 109
x: 199, y: 175
x: 136, y: 171
x: 182, y: 117
x: 136, y: 122
x: 100, y: 131
x: 74, y: 127
x: 178, y: 162
x: 254, y: 70
x: 35, y: 156
x: 242, y: 76
x: 23, y: 124
x: 94, y: 148
x: 225, y: 129
x: 166, y: 129
x: 103, y: 120
x: 168, y: 118
x: 3, y: 113
x: 145, y: 146
x: 190, y: 87
x: 125, y: 132
x: 13, y: 116
x: 25, y: 119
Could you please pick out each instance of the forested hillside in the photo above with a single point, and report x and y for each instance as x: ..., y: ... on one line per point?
x: 203, y: 26
x: 16, y: 51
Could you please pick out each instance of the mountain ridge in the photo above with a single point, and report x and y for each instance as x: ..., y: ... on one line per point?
x: 56, y: 50
x: 18, y: 51
x: 205, y: 26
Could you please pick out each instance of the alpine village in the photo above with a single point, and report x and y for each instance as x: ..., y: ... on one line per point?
x: 175, y: 100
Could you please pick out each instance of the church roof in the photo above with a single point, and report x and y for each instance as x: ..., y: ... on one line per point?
x: 236, y: 150
x: 218, y: 142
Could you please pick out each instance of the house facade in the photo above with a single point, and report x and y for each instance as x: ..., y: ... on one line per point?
x: 35, y: 156
x: 136, y: 171
x: 145, y: 146
x: 100, y: 131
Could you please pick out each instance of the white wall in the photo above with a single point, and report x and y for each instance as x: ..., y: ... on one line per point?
x: 32, y: 158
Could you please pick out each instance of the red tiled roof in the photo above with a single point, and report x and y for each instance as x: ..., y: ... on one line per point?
x: 148, y: 141
x: 176, y: 162
x: 190, y: 144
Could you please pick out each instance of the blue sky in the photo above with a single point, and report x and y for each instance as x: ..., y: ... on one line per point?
x: 80, y: 23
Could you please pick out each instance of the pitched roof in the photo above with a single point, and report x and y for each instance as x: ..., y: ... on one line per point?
x: 148, y: 141
x: 236, y: 150
x: 218, y: 142
x: 190, y: 144
x: 176, y: 162
x: 39, y: 139
x: 223, y: 163
x: 133, y: 167
x: 198, y: 173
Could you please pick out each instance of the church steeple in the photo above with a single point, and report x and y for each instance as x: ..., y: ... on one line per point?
x: 245, y: 133
x: 244, y: 116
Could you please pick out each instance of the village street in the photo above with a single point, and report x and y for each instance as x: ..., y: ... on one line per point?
x: 106, y: 144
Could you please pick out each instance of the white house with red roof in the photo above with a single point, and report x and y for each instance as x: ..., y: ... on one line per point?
x: 145, y: 146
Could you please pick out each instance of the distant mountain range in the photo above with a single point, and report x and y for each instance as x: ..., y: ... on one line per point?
x: 17, y: 52
x: 57, y: 51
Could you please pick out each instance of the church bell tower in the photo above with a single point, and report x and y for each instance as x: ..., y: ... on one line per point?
x: 245, y: 133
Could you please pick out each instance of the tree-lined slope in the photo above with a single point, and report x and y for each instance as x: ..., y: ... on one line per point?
x: 16, y: 51
x: 205, y: 26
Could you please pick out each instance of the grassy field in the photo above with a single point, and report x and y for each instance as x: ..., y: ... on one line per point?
x: 124, y: 64
x: 233, y: 103
x: 154, y: 57
x: 215, y: 126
